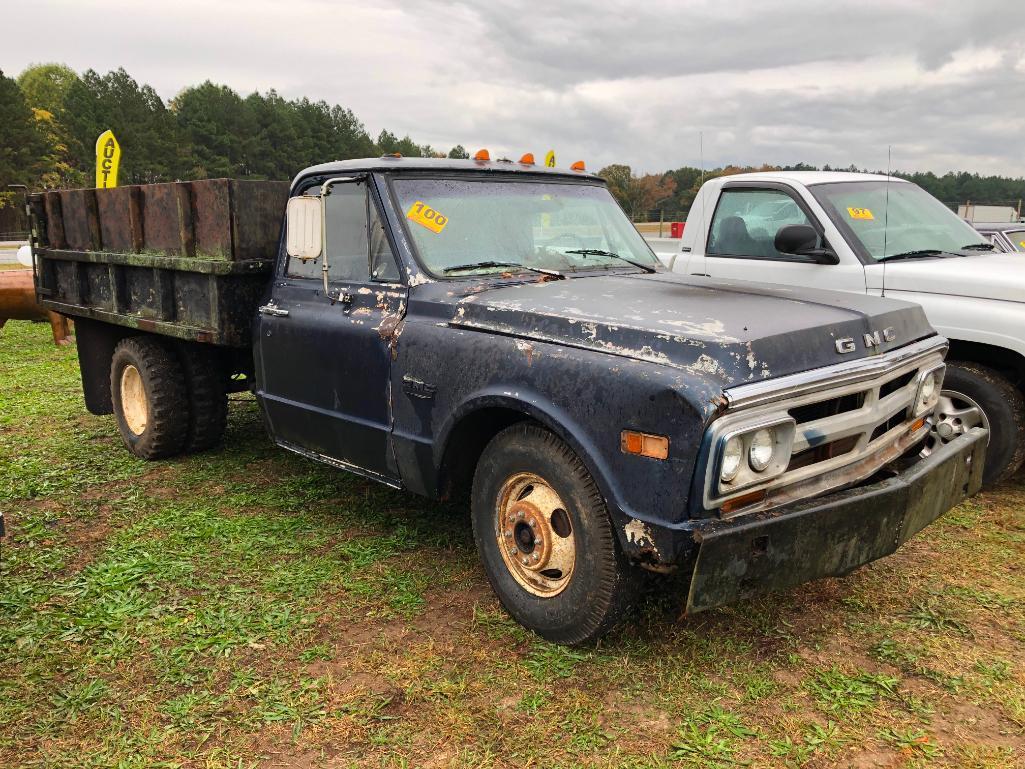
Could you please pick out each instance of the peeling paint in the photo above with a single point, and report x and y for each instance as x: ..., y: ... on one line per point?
x: 637, y: 533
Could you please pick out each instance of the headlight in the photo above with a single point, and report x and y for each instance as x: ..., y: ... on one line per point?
x: 929, y: 387
x: 753, y: 454
x: 760, y: 453
x: 732, y: 455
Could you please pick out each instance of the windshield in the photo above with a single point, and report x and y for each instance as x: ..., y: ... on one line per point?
x: 905, y: 219
x: 459, y: 223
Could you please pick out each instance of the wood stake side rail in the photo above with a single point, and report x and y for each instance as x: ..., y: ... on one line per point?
x: 190, y: 260
x: 202, y: 300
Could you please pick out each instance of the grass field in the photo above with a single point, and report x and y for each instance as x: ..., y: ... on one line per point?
x: 247, y: 608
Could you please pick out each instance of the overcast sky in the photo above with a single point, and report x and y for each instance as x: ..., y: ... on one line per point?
x: 602, y: 80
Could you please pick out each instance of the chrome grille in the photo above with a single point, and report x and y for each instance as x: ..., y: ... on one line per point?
x: 851, y: 420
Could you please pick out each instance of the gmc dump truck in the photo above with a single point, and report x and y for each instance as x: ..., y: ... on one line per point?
x: 501, y: 331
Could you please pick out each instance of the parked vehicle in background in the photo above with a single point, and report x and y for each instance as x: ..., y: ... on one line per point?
x: 501, y: 331
x: 872, y: 234
x: 1008, y: 237
x: 973, y: 213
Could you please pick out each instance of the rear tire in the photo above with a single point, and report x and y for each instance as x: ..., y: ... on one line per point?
x: 532, y: 494
x: 969, y: 388
x: 208, y: 397
x: 147, y: 387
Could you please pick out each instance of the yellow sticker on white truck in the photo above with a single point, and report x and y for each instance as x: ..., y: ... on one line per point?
x: 860, y: 213
x: 424, y: 215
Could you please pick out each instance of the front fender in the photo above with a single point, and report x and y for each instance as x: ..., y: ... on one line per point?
x: 585, y: 397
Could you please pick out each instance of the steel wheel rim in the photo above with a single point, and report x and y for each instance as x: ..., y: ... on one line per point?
x: 955, y: 415
x: 134, y: 406
x: 535, y: 535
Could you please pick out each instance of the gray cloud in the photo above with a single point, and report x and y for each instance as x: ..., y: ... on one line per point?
x: 603, y: 80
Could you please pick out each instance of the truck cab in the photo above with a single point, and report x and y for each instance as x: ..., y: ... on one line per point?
x: 884, y: 236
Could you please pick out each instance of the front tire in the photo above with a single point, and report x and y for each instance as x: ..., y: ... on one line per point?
x: 147, y: 387
x: 545, y: 538
x: 975, y: 395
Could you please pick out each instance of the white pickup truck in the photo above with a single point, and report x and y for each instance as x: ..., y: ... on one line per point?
x: 881, y: 235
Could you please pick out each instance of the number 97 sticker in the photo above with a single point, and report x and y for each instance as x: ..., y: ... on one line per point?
x: 860, y: 213
x: 424, y: 215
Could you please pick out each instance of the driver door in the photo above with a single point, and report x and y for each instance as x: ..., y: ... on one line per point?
x: 323, y: 359
x: 740, y: 243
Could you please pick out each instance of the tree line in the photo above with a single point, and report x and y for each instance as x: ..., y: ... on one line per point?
x: 50, y: 117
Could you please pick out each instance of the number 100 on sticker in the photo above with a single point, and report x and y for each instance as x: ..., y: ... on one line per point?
x: 424, y: 215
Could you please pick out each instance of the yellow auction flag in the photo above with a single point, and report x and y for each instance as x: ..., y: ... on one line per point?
x: 550, y: 159
x: 108, y: 158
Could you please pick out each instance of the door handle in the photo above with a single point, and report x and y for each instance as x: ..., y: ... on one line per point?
x: 338, y: 295
x: 273, y: 309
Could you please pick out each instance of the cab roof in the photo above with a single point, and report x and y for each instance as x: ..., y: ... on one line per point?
x: 808, y: 178
x: 445, y: 165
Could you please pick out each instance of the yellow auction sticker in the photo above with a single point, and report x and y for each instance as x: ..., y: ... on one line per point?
x: 860, y: 213
x: 424, y: 215
x: 1022, y: 243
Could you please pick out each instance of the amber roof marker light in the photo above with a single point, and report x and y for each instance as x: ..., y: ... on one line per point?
x: 578, y: 166
x: 527, y: 159
x: 482, y: 156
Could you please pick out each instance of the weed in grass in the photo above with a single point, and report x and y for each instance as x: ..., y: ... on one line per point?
x: 912, y: 742
x: 69, y: 701
x: 703, y: 746
x: 889, y: 650
x: 533, y: 702
x: 314, y: 653
x: 846, y: 695
x: 926, y: 615
x: 994, y: 671
x: 546, y: 661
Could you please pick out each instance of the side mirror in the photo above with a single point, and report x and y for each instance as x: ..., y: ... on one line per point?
x: 304, y: 221
x: 801, y: 240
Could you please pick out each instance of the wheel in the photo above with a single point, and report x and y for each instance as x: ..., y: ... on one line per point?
x: 148, y: 391
x: 977, y: 396
x: 206, y: 381
x: 545, y: 538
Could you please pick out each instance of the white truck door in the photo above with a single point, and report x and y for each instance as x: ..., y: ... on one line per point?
x: 739, y: 235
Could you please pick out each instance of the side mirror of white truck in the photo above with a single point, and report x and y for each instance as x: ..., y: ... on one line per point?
x: 802, y: 240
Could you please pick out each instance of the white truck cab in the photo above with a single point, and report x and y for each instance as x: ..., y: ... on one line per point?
x: 881, y: 235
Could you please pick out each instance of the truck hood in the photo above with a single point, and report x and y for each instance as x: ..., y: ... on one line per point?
x: 984, y: 276
x: 727, y: 332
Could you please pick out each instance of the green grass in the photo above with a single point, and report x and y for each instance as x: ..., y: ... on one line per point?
x: 245, y: 607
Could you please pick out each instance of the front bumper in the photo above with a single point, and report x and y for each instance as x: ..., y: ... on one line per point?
x: 831, y: 535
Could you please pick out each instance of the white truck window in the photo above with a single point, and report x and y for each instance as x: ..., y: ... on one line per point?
x: 746, y: 221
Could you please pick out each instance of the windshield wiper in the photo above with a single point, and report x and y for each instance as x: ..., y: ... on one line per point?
x: 487, y: 264
x: 602, y: 252
x: 922, y: 253
x: 978, y: 247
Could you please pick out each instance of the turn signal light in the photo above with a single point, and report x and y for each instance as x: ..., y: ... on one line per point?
x: 918, y: 424
x: 578, y: 166
x: 527, y: 159
x: 742, y: 501
x: 644, y: 444
x: 482, y: 155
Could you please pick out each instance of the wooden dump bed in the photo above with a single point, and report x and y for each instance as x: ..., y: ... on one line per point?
x: 185, y: 259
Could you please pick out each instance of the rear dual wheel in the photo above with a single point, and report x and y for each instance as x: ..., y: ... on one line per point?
x: 166, y: 400
x: 545, y: 538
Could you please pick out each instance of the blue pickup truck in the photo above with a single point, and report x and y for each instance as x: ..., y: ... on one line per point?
x: 499, y: 332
